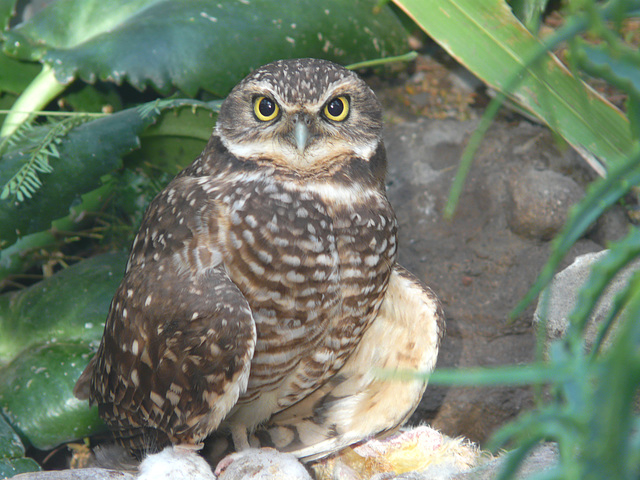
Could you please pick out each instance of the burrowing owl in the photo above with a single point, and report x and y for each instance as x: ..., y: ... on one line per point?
x: 262, y: 287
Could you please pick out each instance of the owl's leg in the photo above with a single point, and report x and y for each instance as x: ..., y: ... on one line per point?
x: 240, y: 437
x: 357, y: 403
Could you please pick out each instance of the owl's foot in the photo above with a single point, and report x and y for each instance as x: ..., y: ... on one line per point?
x: 180, y: 462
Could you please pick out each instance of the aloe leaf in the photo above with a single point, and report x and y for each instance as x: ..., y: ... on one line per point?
x: 16, y: 75
x: 70, y: 305
x: 36, y: 395
x: 545, y: 87
x: 198, y: 44
x: 12, y: 461
x: 7, y: 10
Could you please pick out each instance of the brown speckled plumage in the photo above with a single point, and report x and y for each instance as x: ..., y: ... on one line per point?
x: 258, y: 271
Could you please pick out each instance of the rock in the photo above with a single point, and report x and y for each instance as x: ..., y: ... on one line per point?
x: 539, y: 460
x: 175, y: 463
x: 261, y: 464
x: 540, y: 201
x: 562, y: 296
x: 611, y: 226
x: 78, y: 474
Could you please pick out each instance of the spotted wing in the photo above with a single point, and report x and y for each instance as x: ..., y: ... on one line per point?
x: 179, y: 336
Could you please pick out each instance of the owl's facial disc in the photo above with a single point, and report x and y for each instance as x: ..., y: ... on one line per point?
x: 305, y: 115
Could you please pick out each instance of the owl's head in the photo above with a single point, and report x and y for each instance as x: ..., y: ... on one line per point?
x: 301, y: 114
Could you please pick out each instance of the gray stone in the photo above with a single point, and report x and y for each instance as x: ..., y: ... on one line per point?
x: 562, y: 296
x: 175, y: 463
x: 541, y: 459
x: 540, y: 201
x: 78, y: 474
x: 613, y: 225
x: 262, y: 464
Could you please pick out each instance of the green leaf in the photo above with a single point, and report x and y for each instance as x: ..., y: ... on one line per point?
x: 9, y: 467
x: 16, y: 75
x: 498, y: 49
x: 36, y: 96
x: 529, y: 12
x: 10, y: 444
x: 36, y: 395
x: 86, y: 154
x: 92, y: 98
x: 176, y: 139
x: 7, y: 10
x: 12, y: 461
x: 621, y: 67
x: 94, y: 149
x: 621, y: 254
x: 200, y: 44
x: 70, y: 305
x: 18, y: 257
x: 633, y: 111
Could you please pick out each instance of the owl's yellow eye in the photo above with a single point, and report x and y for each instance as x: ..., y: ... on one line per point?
x: 337, y: 109
x: 265, y: 109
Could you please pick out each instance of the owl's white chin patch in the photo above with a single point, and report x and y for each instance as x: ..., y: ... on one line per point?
x: 288, y: 155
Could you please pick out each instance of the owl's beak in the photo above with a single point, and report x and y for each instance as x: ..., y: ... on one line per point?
x: 301, y: 133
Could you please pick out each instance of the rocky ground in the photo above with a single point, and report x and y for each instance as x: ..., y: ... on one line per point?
x: 484, y: 260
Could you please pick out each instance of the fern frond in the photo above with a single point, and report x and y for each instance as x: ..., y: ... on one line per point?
x: 39, y: 149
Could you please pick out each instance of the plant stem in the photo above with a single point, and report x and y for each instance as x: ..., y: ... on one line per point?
x: 407, y: 57
x: 36, y: 96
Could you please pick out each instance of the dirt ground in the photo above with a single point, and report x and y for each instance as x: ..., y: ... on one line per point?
x: 484, y: 260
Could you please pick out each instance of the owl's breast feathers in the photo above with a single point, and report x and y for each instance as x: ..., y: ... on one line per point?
x: 311, y: 253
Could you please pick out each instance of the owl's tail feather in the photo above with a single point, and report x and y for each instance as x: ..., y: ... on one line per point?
x: 82, y: 388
